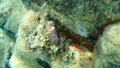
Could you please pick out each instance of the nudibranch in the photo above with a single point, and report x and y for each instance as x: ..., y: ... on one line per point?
x: 51, y: 31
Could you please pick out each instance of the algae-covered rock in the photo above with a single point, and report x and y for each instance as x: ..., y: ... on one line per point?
x: 4, y: 12
x: 22, y: 55
x: 13, y: 21
x: 107, y: 50
x: 82, y: 17
x: 6, y: 45
x: 59, y: 33
x: 10, y: 14
x: 2, y: 50
x: 37, y: 45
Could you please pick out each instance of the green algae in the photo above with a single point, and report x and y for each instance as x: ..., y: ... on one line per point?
x: 27, y: 21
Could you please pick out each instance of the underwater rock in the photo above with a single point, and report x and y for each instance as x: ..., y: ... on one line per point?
x: 107, y: 49
x: 33, y: 41
x: 6, y: 45
x: 10, y: 15
x: 2, y: 50
x: 4, y: 12
x: 59, y: 33
x: 13, y: 21
x: 22, y: 55
x: 81, y: 17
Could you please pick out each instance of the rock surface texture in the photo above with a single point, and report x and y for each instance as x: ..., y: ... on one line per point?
x: 107, y: 50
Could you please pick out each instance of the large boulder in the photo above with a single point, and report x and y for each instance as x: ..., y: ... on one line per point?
x: 36, y: 46
x: 107, y: 50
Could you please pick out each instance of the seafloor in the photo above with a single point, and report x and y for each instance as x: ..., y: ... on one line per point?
x: 59, y: 33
